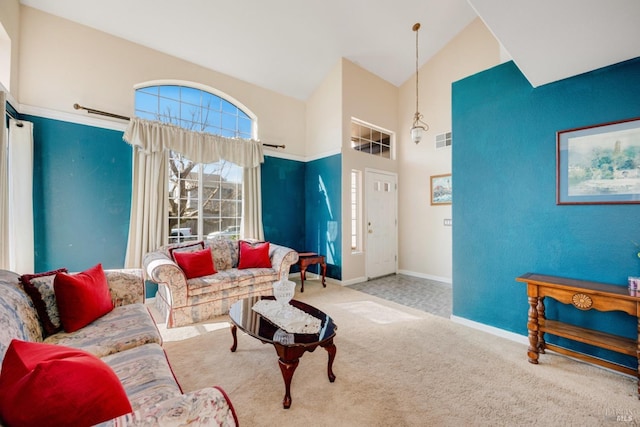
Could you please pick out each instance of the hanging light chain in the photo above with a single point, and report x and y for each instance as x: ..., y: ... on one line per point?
x: 416, y: 27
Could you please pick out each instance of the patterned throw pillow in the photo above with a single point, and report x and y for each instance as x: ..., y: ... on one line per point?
x: 40, y: 288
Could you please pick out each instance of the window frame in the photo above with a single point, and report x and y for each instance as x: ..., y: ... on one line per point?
x: 226, y: 102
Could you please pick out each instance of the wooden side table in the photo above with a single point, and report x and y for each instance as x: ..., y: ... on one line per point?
x: 305, y: 259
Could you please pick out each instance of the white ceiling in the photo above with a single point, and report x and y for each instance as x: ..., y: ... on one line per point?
x: 289, y: 46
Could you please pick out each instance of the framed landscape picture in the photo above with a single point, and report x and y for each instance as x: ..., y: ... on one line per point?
x: 441, y: 189
x: 599, y: 164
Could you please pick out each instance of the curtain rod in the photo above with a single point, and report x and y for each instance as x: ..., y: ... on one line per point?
x: 9, y: 114
x: 118, y: 116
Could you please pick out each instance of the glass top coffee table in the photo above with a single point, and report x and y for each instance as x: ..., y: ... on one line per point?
x: 289, y: 347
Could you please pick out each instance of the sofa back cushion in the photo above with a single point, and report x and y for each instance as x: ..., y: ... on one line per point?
x: 18, y: 316
x: 225, y: 252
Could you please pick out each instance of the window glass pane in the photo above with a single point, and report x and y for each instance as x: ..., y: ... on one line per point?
x: 244, y: 126
x: 368, y: 139
x: 228, y: 107
x: 211, y: 101
x: 146, y: 102
x: 172, y: 92
x: 229, y: 122
x: 153, y: 90
x: 190, y: 96
x: 170, y: 108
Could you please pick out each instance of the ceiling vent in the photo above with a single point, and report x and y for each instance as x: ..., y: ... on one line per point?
x: 443, y: 140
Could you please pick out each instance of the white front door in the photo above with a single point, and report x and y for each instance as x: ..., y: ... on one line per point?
x: 381, y: 223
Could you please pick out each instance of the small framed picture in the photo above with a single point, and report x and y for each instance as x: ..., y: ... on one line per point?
x: 599, y: 164
x: 441, y: 189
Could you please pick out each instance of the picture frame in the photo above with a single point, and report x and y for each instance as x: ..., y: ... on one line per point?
x: 441, y: 189
x: 599, y: 164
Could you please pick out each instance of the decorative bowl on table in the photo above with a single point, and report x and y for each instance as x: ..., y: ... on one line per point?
x: 284, y: 290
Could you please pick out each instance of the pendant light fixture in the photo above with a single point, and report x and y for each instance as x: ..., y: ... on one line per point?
x: 418, y: 125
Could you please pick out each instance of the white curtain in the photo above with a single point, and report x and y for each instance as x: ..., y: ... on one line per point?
x: 20, y: 197
x: 252, y: 204
x: 149, y: 207
x: 4, y: 187
x: 148, y: 223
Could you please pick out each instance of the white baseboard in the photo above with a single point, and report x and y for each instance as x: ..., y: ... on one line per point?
x: 353, y: 281
x: 426, y: 276
x: 522, y: 339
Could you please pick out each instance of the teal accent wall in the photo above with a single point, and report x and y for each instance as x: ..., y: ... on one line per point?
x: 283, y: 202
x: 82, y: 195
x: 82, y: 198
x: 323, y: 192
x: 506, y: 219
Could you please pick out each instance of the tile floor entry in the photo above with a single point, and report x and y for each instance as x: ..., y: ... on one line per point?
x: 427, y: 295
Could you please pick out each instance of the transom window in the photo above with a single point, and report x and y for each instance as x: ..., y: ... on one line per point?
x: 370, y: 139
x: 205, y: 200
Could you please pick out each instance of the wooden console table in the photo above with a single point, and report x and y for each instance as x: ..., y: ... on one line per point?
x: 305, y: 259
x: 583, y: 295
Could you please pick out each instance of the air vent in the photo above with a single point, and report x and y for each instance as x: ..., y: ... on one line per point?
x: 443, y: 140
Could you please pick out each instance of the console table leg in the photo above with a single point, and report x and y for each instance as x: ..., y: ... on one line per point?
x: 287, y: 368
x: 532, y: 325
x: 541, y: 317
x: 234, y: 328
x: 638, y: 353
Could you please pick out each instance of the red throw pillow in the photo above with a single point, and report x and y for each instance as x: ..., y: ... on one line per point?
x: 82, y: 297
x: 46, y: 384
x: 39, y: 287
x: 195, y: 264
x: 254, y: 255
x: 188, y: 247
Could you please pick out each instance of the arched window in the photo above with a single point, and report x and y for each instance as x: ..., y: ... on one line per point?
x: 205, y: 200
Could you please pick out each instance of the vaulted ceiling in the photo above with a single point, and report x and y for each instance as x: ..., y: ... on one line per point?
x: 289, y: 46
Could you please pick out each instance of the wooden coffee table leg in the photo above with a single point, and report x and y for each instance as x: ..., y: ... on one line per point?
x: 331, y: 349
x: 287, y: 368
x: 234, y: 328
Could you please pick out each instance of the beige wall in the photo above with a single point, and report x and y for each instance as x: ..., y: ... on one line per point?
x: 425, y: 243
x: 62, y: 63
x: 10, y: 19
x: 366, y: 97
x: 324, y: 116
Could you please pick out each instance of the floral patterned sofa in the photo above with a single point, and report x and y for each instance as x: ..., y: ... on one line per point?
x: 185, y: 301
x: 128, y: 341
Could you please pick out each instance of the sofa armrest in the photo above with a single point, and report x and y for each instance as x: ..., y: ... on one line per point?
x: 282, y: 258
x: 206, y: 407
x: 126, y: 285
x: 164, y: 271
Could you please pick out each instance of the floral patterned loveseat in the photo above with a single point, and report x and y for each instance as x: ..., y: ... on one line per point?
x: 185, y: 301
x: 128, y: 341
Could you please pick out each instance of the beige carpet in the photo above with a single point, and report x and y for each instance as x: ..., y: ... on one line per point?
x: 396, y: 366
